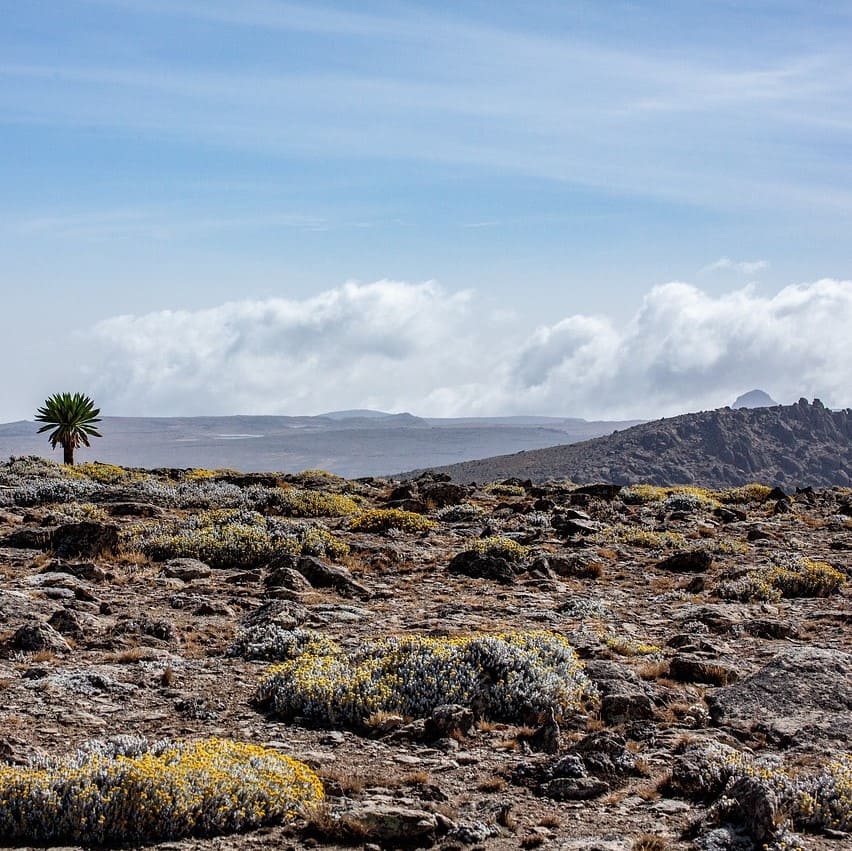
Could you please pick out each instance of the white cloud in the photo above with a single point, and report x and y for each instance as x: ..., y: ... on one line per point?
x: 745, y: 267
x: 400, y: 346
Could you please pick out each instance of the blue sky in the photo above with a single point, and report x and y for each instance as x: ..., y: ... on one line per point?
x: 528, y: 178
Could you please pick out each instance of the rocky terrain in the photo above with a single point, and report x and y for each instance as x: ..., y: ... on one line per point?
x: 789, y: 445
x: 668, y: 668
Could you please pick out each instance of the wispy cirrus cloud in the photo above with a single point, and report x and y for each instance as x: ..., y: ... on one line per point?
x: 744, y: 267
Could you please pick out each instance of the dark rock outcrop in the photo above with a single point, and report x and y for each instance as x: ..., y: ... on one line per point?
x: 789, y: 445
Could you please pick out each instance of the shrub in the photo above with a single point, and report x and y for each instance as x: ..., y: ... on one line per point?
x: 53, y: 490
x: 496, y: 545
x: 637, y: 536
x: 819, y: 801
x: 674, y: 498
x: 504, y: 489
x: 105, y: 474
x: 269, y: 640
x: 226, y: 537
x: 125, y: 790
x: 301, y: 502
x: 321, y: 542
x: 502, y: 677
x: 792, y: 575
x: 825, y: 800
x: 382, y: 519
x: 463, y: 512
x: 751, y: 492
x: 219, y: 537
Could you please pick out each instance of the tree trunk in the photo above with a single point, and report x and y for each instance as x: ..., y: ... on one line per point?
x: 68, y: 453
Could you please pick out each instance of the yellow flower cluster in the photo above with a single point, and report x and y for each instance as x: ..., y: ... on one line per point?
x: 382, y: 519
x: 502, y: 489
x: 106, y: 474
x: 751, y: 492
x: 636, y: 536
x: 301, y: 502
x: 197, y: 474
x: 822, y: 800
x: 826, y: 800
x: 625, y: 646
x: 503, y: 677
x: 127, y: 791
x: 497, y: 545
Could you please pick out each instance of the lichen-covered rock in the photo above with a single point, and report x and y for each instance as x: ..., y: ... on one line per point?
x: 801, y: 694
x: 35, y: 637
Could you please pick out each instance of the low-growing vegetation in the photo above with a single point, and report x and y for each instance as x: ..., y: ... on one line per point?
x: 791, y: 575
x: 502, y: 677
x: 497, y: 545
x: 127, y: 790
x: 382, y: 519
x: 232, y: 538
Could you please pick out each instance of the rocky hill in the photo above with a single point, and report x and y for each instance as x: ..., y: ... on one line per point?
x: 455, y: 667
x: 793, y: 445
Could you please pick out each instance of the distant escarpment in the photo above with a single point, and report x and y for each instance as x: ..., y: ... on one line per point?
x: 788, y: 445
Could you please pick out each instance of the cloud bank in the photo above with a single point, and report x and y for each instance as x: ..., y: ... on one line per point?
x: 418, y: 347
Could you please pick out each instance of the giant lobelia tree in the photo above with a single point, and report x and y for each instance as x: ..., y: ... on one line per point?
x: 73, y: 417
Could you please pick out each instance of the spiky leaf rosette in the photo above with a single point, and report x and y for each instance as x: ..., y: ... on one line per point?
x: 72, y: 416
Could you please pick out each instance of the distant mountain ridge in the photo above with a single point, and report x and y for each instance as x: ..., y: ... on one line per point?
x: 788, y: 445
x: 755, y: 399
x: 349, y: 443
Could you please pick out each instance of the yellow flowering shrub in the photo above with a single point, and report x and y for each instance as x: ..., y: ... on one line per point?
x: 302, y: 502
x: 751, y: 492
x: 502, y: 489
x: 497, y: 545
x: 382, y: 519
x: 106, y: 474
x: 792, y: 575
x: 637, y: 536
x: 125, y: 790
x: 502, y: 677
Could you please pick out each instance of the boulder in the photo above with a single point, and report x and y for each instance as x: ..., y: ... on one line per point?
x: 687, y: 561
x: 447, y: 720
x: 186, y: 569
x: 483, y: 566
x: 322, y: 575
x: 28, y: 538
x: 87, y: 539
x: 34, y: 637
x: 133, y: 509
x: 392, y: 824
x: 624, y: 696
x: 801, y: 695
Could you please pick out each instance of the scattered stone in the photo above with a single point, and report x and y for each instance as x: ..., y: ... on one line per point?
x: 448, y: 719
x: 322, y: 575
x: 483, y: 566
x: 186, y: 569
x: 687, y: 561
x: 392, y: 824
x: 35, y: 637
